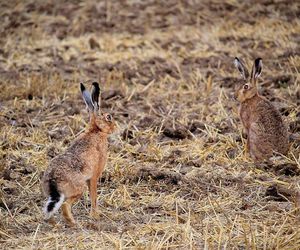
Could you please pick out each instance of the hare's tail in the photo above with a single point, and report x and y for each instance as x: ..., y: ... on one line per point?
x: 54, y: 201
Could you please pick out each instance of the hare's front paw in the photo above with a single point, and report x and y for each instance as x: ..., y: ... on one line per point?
x: 95, y: 214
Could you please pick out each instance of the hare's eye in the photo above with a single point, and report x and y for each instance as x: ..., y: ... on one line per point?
x: 246, y: 86
x: 108, y: 117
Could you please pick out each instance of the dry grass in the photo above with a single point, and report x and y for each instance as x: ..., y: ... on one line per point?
x: 177, y: 175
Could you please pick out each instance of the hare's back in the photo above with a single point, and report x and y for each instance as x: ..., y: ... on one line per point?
x: 270, y: 119
x: 271, y: 126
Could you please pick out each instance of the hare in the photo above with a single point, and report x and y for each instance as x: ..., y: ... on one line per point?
x: 262, y: 122
x: 82, y: 163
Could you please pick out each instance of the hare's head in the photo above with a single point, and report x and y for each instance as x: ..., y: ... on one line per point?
x: 106, y: 123
x: 98, y: 121
x: 248, y: 88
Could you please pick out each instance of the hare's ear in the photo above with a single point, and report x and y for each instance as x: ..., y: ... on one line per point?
x: 95, y: 96
x: 241, y: 68
x: 256, y: 69
x: 87, y: 97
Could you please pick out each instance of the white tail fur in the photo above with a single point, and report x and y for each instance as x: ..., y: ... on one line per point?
x: 57, y: 204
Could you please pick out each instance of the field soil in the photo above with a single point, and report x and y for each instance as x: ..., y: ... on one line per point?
x: 178, y: 176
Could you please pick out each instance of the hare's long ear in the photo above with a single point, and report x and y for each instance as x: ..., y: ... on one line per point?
x: 256, y: 69
x: 87, y: 97
x: 241, y: 68
x: 95, y: 96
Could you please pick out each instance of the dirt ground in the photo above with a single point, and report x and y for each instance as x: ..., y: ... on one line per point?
x: 177, y: 175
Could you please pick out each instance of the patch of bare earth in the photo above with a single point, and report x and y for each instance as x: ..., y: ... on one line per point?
x: 177, y: 175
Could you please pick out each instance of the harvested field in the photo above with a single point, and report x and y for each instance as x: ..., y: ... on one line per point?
x: 177, y: 175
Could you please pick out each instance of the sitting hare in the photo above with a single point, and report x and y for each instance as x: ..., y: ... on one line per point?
x: 82, y: 163
x: 266, y: 132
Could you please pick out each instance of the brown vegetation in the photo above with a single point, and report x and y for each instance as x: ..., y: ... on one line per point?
x: 177, y: 175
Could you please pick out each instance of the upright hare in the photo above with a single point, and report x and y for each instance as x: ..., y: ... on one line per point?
x: 82, y: 163
x: 266, y: 132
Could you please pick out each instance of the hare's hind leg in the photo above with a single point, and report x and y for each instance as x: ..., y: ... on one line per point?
x: 52, y: 221
x: 66, y: 210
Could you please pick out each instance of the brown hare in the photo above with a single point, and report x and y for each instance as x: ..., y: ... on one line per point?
x: 262, y: 122
x: 82, y: 163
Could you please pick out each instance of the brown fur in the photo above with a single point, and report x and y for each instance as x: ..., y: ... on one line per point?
x: 263, y: 124
x: 82, y: 163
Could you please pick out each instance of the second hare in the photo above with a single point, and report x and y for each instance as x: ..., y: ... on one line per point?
x: 262, y: 122
x: 81, y: 164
